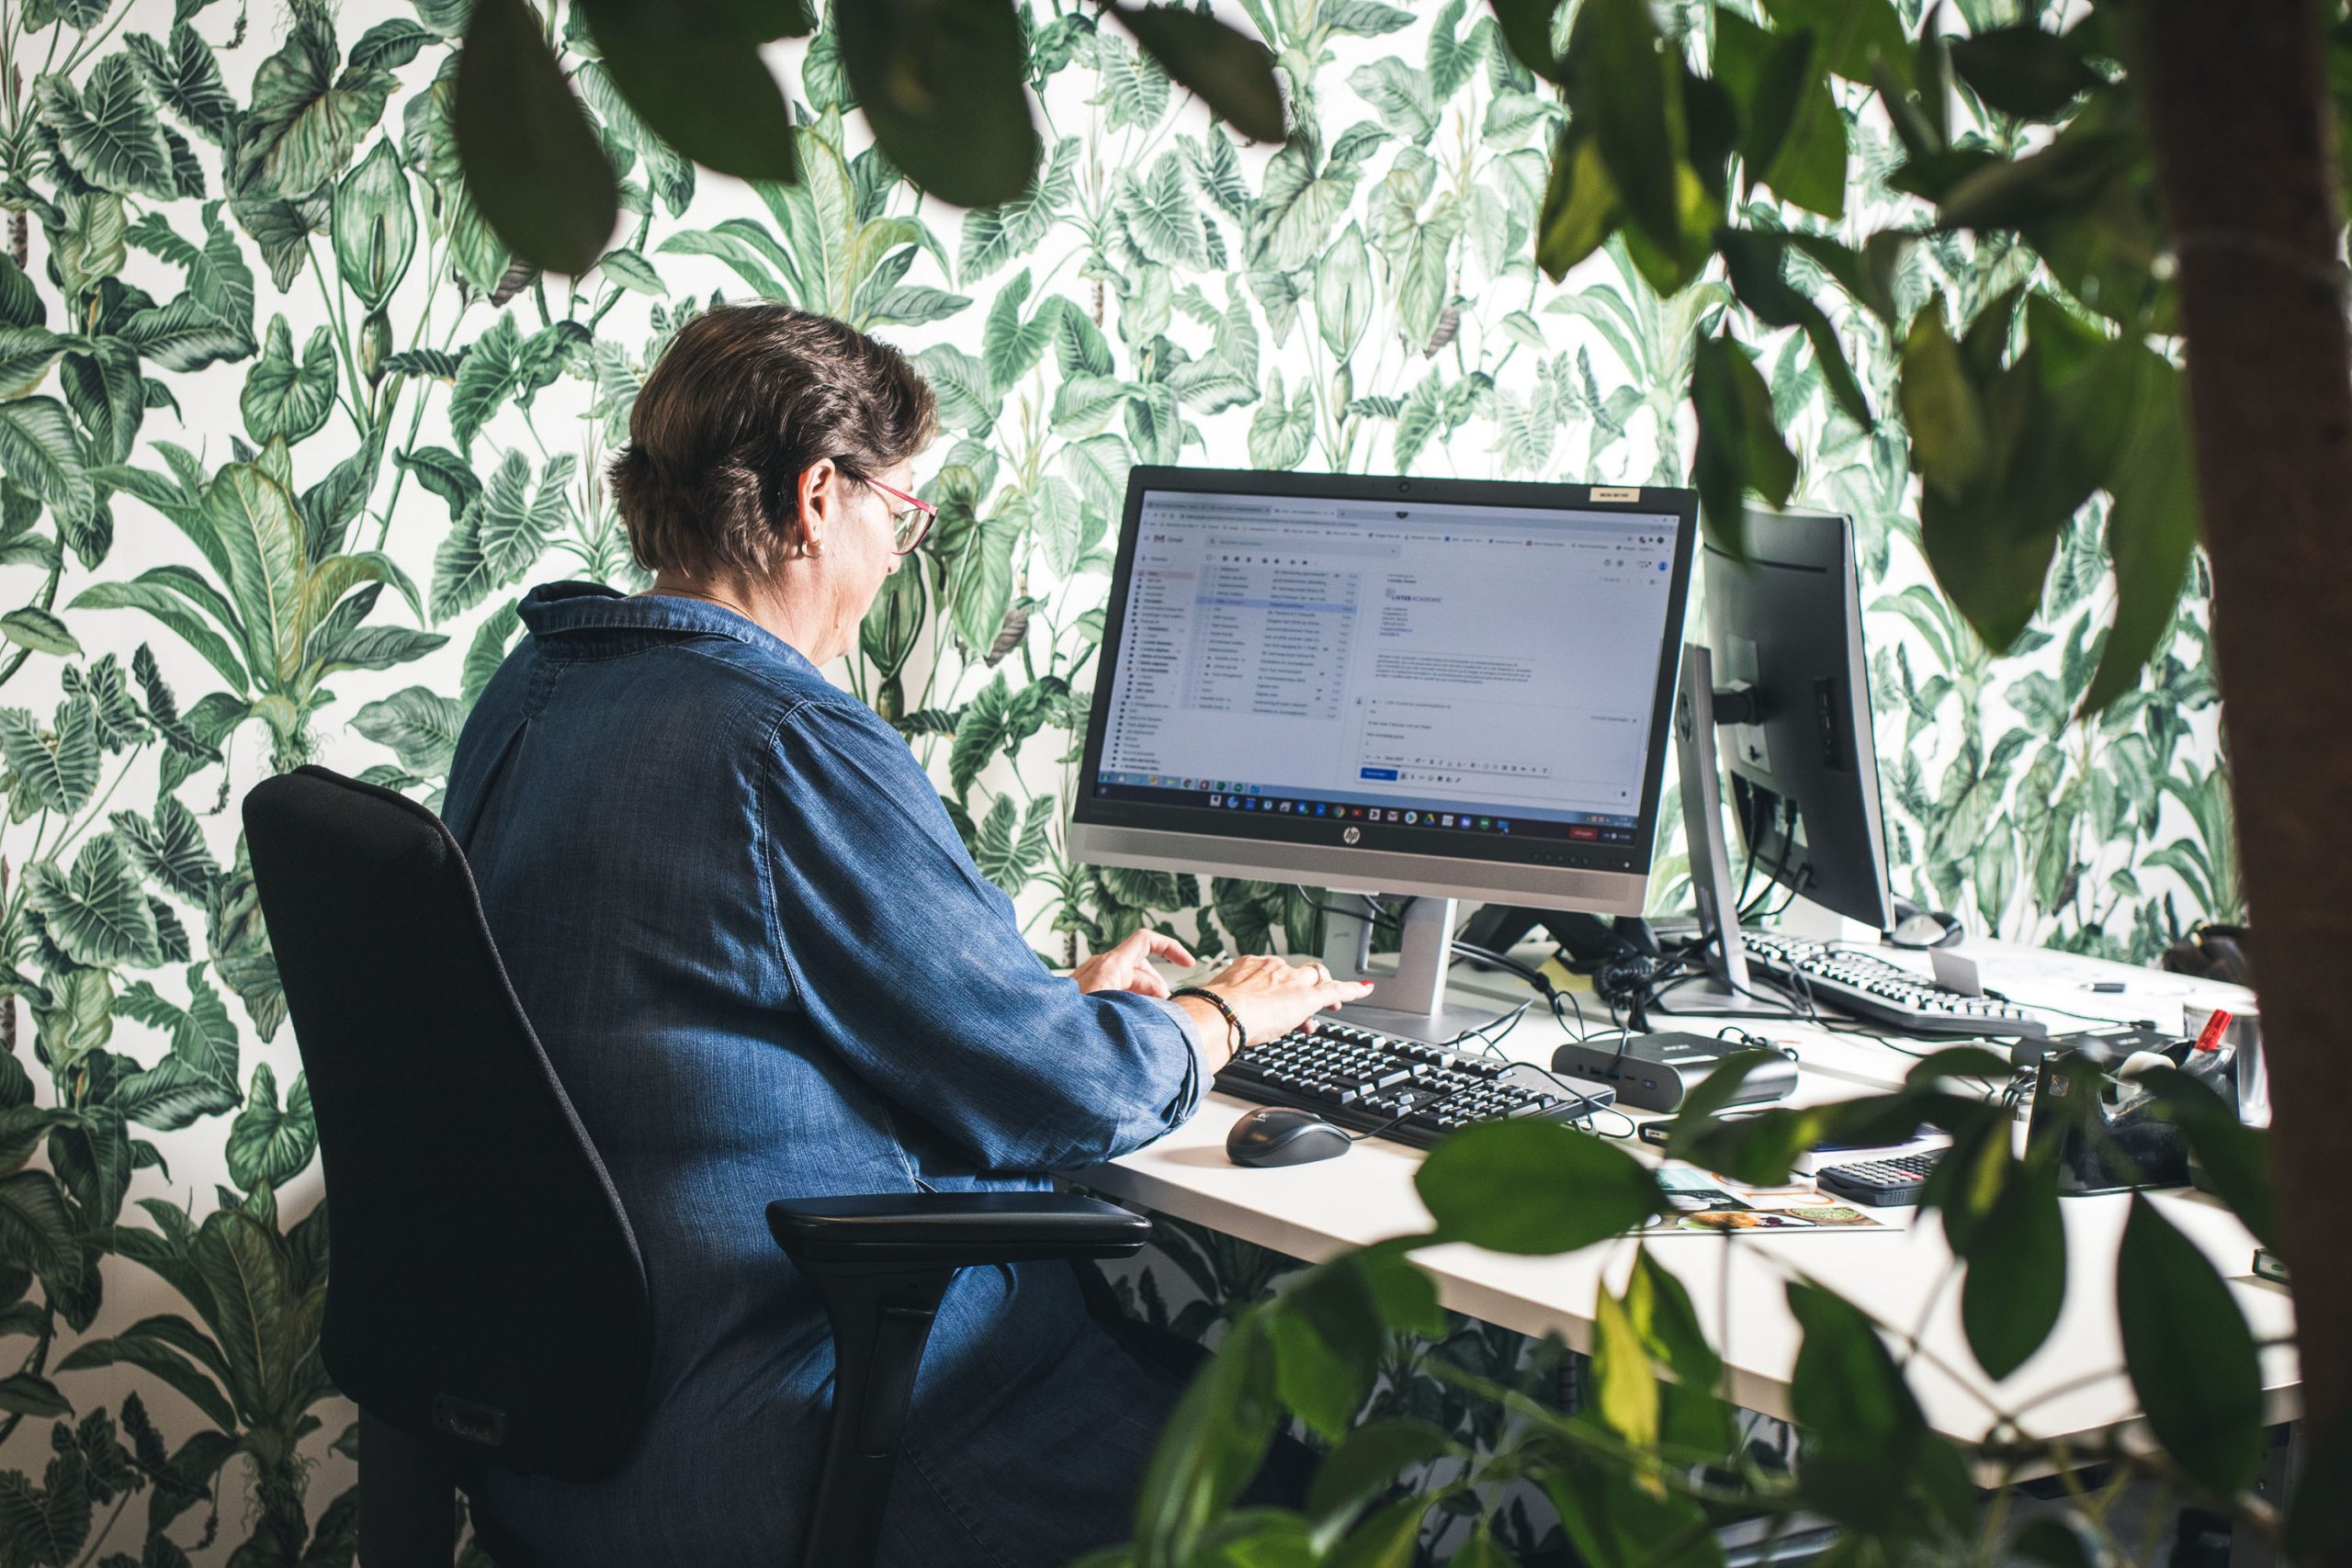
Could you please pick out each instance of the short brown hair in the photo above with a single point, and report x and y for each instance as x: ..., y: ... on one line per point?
x: 746, y: 399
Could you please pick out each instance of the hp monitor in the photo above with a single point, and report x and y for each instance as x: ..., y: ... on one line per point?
x: 1445, y: 688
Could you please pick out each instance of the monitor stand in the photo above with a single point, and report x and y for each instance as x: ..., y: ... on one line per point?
x: 1411, y: 1001
x: 1725, y: 988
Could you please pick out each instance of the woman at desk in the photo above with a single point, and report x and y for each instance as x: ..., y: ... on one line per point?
x: 764, y: 966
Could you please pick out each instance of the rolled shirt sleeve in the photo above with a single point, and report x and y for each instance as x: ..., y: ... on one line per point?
x: 1202, y: 1068
x: 912, y: 967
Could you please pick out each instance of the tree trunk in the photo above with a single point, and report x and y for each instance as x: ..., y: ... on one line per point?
x: 2238, y: 109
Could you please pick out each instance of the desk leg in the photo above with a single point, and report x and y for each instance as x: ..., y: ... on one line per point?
x: 2279, y: 1467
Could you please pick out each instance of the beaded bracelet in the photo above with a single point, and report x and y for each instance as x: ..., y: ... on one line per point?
x: 1232, y: 1018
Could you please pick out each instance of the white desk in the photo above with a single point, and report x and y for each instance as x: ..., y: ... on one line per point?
x: 1314, y: 1210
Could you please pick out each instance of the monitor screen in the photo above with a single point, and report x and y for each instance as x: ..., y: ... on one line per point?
x: 1462, y: 668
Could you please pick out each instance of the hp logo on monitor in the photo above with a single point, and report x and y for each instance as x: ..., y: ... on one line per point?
x: 1351, y: 835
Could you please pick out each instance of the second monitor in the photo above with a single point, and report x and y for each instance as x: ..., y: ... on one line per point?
x: 1781, y: 690
x: 1443, y: 688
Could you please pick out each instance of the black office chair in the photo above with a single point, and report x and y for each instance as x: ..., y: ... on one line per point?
x: 487, y: 1305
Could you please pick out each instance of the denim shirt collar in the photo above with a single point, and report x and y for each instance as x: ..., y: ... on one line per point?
x: 553, y: 609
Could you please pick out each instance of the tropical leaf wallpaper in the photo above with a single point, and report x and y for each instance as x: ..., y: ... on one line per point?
x: 284, y: 436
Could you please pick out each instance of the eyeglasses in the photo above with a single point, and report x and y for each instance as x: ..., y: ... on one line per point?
x: 910, y: 523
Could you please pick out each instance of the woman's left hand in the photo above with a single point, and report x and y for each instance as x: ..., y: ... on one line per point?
x: 1126, y: 967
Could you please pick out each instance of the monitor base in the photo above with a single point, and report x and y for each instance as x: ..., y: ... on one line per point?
x: 1416, y: 987
x: 1726, y: 986
x: 1710, y: 998
x: 1445, y: 1026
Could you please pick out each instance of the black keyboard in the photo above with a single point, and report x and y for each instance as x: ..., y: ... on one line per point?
x: 1370, y: 1082
x: 1882, y: 1183
x: 1877, y: 991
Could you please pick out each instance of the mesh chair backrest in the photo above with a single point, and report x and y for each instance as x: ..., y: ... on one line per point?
x: 484, y: 1293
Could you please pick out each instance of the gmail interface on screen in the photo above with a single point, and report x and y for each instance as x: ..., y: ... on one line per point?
x: 1493, y: 664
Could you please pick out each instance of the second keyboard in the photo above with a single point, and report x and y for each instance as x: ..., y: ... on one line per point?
x: 1877, y: 991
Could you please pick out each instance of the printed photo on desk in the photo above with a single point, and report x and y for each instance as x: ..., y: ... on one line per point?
x: 1701, y: 1203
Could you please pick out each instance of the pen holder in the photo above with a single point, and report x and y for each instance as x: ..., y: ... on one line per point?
x: 2243, y: 1040
x: 2109, y: 1136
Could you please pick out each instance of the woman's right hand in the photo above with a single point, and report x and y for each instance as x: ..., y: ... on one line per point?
x: 1271, y: 996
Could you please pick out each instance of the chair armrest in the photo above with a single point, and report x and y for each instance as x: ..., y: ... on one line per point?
x: 881, y: 1265
x: 953, y: 1230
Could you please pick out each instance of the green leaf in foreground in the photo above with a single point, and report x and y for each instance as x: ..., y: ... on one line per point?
x: 1389, y: 1537
x: 2150, y: 531
x: 2024, y: 70
x: 1213, y: 1443
x: 1620, y: 83
x: 1579, y: 205
x: 1846, y: 1388
x: 2192, y: 1361
x: 1626, y: 1393
x: 1613, y: 1519
x: 1527, y: 33
x: 2016, y: 1270
x: 1481, y: 1552
x: 1363, y: 1466
x: 691, y: 72
x: 2058, y: 1539
x: 1535, y: 1188
x: 940, y: 82
x: 533, y: 163
x: 1740, y: 448
x: 1871, y: 1460
x: 2235, y: 1157
x: 1231, y: 73
x: 1332, y: 1327
x: 1716, y: 1091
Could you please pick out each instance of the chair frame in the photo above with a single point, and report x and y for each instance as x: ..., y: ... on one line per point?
x: 880, y: 1262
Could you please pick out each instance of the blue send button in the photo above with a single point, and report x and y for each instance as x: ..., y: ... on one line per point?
x: 1376, y: 772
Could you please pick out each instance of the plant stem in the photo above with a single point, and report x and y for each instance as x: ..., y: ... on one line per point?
x: 91, y: 41
x: 2094, y: 1514
x: 333, y: 298
x: 416, y: 423
x: 97, y: 807
x: 99, y: 1540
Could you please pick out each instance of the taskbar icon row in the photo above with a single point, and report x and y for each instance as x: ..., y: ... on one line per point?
x: 1404, y: 817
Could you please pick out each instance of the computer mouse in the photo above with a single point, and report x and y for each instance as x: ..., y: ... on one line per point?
x: 1276, y: 1134
x: 1924, y: 930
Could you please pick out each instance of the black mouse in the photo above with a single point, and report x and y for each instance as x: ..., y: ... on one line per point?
x: 1275, y: 1135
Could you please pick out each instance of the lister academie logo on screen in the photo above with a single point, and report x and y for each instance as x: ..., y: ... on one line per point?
x: 1351, y: 835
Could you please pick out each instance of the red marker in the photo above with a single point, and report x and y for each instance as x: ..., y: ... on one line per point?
x: 2215, y: 1027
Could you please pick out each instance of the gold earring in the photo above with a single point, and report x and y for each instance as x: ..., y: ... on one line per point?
x: 812, y: 548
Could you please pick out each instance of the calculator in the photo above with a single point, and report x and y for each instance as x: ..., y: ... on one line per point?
x: 1882, y: 1183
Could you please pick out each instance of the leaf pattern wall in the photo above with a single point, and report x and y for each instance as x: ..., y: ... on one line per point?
x: 284, y: 434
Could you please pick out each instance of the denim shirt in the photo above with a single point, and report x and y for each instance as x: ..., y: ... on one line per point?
x: 763, y: 966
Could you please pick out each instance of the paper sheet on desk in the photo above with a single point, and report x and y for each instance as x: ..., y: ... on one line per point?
x: 1706, y: 1204
x: 2034, y: 977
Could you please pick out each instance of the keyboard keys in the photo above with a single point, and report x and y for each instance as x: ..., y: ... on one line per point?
x: 1405, y: 1089
x: 1878, y: 991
